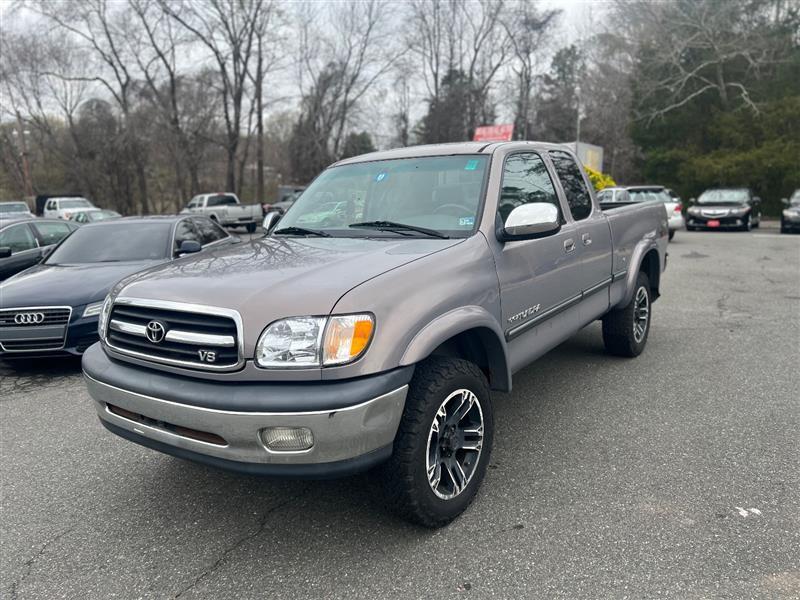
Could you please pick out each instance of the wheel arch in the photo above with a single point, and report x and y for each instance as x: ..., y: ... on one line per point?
x: 647, y: 260
x: 470, y: 333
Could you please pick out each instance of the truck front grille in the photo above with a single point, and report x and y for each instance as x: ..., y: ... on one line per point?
x: 33, y: 329
x: 165, y: 332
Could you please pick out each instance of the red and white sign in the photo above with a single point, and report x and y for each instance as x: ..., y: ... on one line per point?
x: 494, y: 133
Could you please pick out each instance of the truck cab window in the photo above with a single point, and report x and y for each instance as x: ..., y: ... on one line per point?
x: 578, y: 196
x: 525, y: 179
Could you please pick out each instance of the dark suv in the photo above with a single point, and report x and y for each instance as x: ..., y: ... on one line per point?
x: 725, y: 208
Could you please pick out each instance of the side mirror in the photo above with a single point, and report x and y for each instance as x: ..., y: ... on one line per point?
x: 785, y: 201
x: 756, y: 200
x: 692, y: 200
x: 189, y: 247
x: 529, y: 221
x: 270, y: 220
x: 5, y: 252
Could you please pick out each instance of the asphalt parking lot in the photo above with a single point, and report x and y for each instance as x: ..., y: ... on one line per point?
x: 676, y: 474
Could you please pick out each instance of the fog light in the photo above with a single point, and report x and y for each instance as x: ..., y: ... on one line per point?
x: 287, y: 439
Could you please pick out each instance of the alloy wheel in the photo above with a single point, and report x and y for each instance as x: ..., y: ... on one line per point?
x: 641, y: 314
x: 455, y: 441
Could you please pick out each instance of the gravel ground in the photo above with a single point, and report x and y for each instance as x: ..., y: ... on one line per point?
x: 676, y: 475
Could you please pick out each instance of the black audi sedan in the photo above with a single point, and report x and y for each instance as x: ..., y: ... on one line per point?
x: 52, y: 307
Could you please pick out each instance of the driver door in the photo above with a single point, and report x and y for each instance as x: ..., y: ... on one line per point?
x: 539, y: 278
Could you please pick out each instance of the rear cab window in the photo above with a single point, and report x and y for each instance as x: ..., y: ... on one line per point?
x: 569, y: 174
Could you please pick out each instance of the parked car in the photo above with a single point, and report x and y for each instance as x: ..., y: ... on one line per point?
x: 52, y: 308
x: 725, y: 208
x: 225, y: 209
x: 25, y: 243
x: 14, y: 211
x: 611, y: 196
x: 62, y: 208
x: 790, y: 219
x: 639, y: 193
x: 329, y: 348
x: 92, y: 215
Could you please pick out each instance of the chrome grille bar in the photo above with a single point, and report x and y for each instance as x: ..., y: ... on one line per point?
x: 176, y: 335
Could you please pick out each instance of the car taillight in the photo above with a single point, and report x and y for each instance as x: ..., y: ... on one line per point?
x: 678, y: 207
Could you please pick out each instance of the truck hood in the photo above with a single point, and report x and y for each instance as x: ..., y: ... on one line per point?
x: 278, y: 277
x: 65, y: 285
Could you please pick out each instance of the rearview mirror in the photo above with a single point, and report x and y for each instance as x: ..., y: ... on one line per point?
x: 270, y: 220
x: 5, y: 252
x: 189, y: 247
x: 529, y: 221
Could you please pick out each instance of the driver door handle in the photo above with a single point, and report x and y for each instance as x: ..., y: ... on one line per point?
x: 587, y: 239
x: 569, y: 245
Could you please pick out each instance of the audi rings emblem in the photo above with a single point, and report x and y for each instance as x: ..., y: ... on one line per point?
x: 29, y: 318
x: 155, y: 331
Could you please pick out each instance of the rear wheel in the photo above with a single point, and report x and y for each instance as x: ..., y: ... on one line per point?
x: 671, y: 234
x: 625, y: 330
x: 443, y: 444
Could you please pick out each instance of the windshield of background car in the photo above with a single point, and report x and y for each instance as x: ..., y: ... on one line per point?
x: 113, y: 242
x: 643, y: 195
x: 723, y: 197
x: 13, y: 207
x: 795, y: 200
x: 436, y: 192
x: 77, y: 203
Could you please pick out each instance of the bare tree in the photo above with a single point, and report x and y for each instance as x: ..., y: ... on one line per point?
x: 229, y: 31
x: 697, y: 47
x: 528, y: 29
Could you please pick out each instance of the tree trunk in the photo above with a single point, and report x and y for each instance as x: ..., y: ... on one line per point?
x: 259, y: 126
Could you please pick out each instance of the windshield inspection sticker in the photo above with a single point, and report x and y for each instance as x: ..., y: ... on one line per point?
x: 381, y: 176
x: 466, y: 221
x: 471, y: 165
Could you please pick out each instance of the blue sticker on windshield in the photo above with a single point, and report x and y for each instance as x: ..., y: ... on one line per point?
x: 466, y: 221
x: 381, y: 176
x: 471, y: 165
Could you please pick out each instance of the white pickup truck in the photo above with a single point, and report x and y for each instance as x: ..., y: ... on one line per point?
x: 225, y: 209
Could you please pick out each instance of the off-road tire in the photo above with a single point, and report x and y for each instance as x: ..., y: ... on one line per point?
x: 404, y: 476
x: 619, y: 337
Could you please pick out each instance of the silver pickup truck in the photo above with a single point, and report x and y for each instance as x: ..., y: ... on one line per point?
x: 372, y: 334
x: 225, y: 209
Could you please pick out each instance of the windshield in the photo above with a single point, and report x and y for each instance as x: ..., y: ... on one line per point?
x: 114, y: 242
x: 13, y: 207
x: 440, y: 193
x: 77, y: 203
x: 643, y: 195
x: 795, y: 200
x: 723, y: 197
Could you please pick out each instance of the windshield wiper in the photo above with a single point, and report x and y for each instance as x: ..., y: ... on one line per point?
x: 398, y: 227
x: 301, y: 231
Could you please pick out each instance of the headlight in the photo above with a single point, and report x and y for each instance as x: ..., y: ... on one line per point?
x: 790, y: 213
x: 93, y: 309
x: 740, y: 211
x: 105, y: 311
x: 692, y: 210
x: 314, y: 341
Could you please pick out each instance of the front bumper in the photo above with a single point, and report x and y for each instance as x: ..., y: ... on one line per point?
x: 790, y: 223
x: 724, y: 222
x: 353, y: 422
x: 81, y: 332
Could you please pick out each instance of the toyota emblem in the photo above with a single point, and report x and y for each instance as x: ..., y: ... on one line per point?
x: 30, y: 318
x: 155, y: 331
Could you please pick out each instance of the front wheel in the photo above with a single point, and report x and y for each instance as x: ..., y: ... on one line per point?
x: 251, y: 228
x: 625, y: 330
x: 671, y: 234
x: 443, y: 444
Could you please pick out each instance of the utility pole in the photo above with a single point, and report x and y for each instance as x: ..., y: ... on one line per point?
x: 27, y: 183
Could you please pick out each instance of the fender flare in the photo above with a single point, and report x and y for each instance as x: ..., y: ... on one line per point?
x: 458, y: 321
x: 637, y: 256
